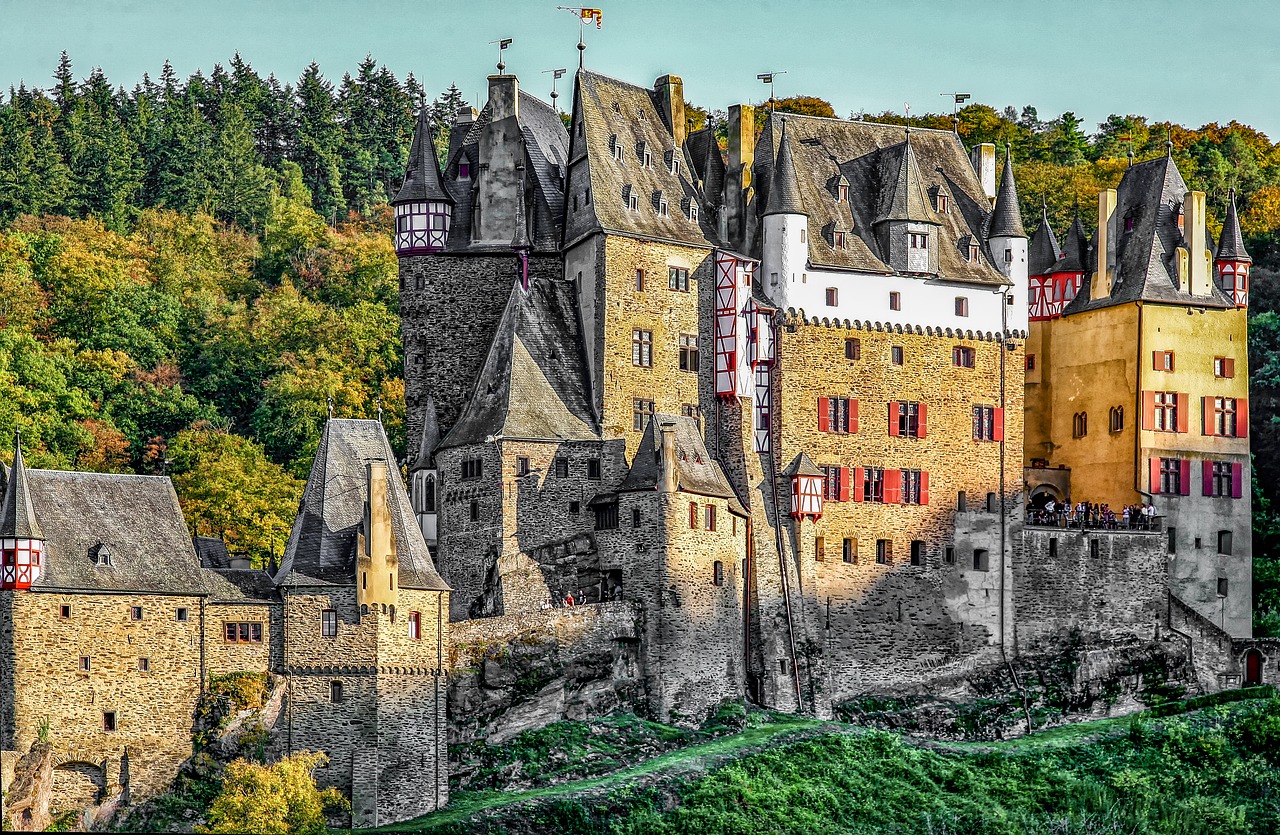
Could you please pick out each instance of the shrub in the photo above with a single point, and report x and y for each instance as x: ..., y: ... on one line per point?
x: 280, y: 799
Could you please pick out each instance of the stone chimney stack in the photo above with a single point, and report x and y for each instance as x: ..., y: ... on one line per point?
x: 1199, y: 277
x: 742, y: 155
x: 501, y: 152
x: 1105, y: 266
x: 983, y: 158
x: 670, y: 471
x: 465, y: 116
x: 376, y: 564
x: 670, y: 91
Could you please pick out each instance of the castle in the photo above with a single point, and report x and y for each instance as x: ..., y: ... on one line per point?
x: 779, y: 412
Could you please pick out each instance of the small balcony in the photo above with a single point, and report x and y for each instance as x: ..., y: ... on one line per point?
x: 1094, y: 518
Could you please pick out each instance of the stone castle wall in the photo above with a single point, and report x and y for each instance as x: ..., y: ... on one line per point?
x: 223, y: 656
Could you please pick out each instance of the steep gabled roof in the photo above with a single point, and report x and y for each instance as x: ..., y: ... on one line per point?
x: 322, y: 545
x: 1006, y: 217
x: 697, y: 472
x: 907, y: 197
x: 1231, y: 247
x: 17, y: 518
x: 784, y: 191
x: 1043, y: 255
x: 422, y: 177
x: 708, y: 164
x: 533, y: 383
x: 615, y: 112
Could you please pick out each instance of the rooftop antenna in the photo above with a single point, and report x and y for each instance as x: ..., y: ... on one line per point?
x: 557, y: 75
x: 502, y: 43
x: 584, y: 15
x: 768, y: 78
x: 957, y: 100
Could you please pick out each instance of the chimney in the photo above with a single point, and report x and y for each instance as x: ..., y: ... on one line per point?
x: 983, y: 158
x: 1198, y: 281
x: 504, y: 97
x: 375, y: 555
x: 742, y: 155
x: 465, y: 115
x: 670, y: 473
x: 670, y: 90
x: 1105, y: 266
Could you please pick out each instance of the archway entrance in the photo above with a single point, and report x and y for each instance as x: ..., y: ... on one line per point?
x: 76, y: 785
x: 1252, y: 668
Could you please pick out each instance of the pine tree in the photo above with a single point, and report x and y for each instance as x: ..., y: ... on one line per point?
x: 104, y: 160
x: 240, y: 184
x: 319, y: 142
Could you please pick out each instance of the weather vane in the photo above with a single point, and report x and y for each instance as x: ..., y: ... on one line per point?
x: 557, y: 75
x: 502, y: 44
x: 767, y: 78
x: 957, y: 100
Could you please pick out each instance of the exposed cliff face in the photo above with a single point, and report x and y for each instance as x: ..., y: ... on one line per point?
x: 27, y: 803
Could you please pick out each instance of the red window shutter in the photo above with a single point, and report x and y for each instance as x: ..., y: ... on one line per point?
x: 1206, y: 478
x: 1184, y: 467
x: 893, y: 418
x: 1156, y: 364
x: 693, y: 515
x: 1149, y: 412
x: 1184, y: 416
x: 843, y: 477
x: 824, y: 414
x: 1237, y: 480
x: 1242, y: 418
x: 924, y: 487
x: 859, y: 478
x: 997, y: 425
x: 924, y: 422
x: 1154, y: 466
x: 1229, y: 367
x: 893, y: 486
x: 1206, y: 417
x: 853, y: 415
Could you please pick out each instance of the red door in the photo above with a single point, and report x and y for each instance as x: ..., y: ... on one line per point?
x: 1252, y: 668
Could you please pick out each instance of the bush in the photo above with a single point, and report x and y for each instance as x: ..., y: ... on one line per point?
x: 280, y: 799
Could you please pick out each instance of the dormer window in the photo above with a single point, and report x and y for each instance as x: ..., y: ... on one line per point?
x: 837, y: 240
x: 464, y: 170
x: 1129, y: 221
x: 842, y: 191
x: 692, y: 212
x: 673, y: 162
x: 918, y: 240
x: 646, y: 157
x: 944, y: 202
x: 630, y: 198
x: 660, y: 204
x: 615, y: 147
x: 971, y: 254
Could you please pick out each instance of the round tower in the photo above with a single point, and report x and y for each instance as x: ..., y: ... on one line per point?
x: 21, y: 540
x: 1232, y: 261
x: 424, y: 209
x: 1007, y: 242
x: 785, y: 248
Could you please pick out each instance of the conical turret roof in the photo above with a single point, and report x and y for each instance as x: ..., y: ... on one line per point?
x: 18, y: 518
x: 1042, y: 257
x: 714, y: 174
x: 520, y: 240
x: 422, y: 179
x: 909, y: 198
x: 1006, y: 218
x: 430, y: 437
x: 1075, y: 250
x: 1231, y: 247
x: 784, y: 190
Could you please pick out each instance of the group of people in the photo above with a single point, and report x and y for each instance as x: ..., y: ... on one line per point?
x: 581, y: 598
x: 1135, y: 517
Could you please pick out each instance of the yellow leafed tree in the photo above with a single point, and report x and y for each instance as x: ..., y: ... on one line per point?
x: 279, y: 799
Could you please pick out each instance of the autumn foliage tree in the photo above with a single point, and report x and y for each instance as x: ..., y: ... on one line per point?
x: 278, y: 799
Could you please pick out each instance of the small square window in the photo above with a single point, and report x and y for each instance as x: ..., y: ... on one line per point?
x: 522, y: 466
x: 1031, y: 362
x: 562, y: 467
x: 575, y: 507
x: 64, y: 612
x: 86, y: 664
x: 109, y: 721
x: 678, y: 279
x: 895, y: 300
x: 593, y: 469
x: 144, y: 665
x: 328, y: 623
x: 849, y: 550
x: 833, y: 297
x: 884, y: 551
x: 981, y: 559
x: 1224, y: 543
x: 896, y: 355
x: 853, y: 349
x: 183, y: 614
x: 963, y: 357
x: 917, y: 552
x: 335, y: 691
x: 1222, y: 587
x: 135, y: 613
x: 949, y: 555
x: 962, y: 306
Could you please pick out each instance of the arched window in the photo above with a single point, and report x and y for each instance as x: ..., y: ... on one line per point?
x: 1079, y: 425
x: 717, y: 573
x: 1117, y: 418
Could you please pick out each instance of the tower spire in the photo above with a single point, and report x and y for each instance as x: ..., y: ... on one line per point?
x: 18, y: 519
x: 784, y: 190
x: 1006, y: 217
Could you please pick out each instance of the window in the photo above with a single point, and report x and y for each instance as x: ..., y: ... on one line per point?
x: 693, y: 516
x: 1162, y: 360
x: 639, y: 280
x: 1171, y: 540
x: 1079, y: 424
x: 86, y: 664
x: 849, y: 551
x: 631, y: 198
x: 607, y: 516
x: 575, y: 508
x: 1198, y: 545
x: 593, y: 469
x: 646, y: 157
x: 144, y: 665
x: 1221, y: 480
x: 981, y: 559
x: 913, y: 487
x: 693, y: 211
x: 1222, y: 587
x: 991, y: 503
x: 873, y: 484
x: 415, y: 625
x: 895, y: 300
x: 586, y: 195
x: 1224, y: 417
x: 833, y: 297
x: 641, y: 411
x: 853, y: 349
x: 562, y: 467
x: 635, y: 517
x: 709, y: 517
x: 804, y: 238
x: 109, y: 721
x: 1128, y: 221
x: 972, y: 254
x: 1224, y: 543
x: 884, y: 551
x: 522, y: 466
x: 943, y: 203
x: 335, y: 691
x: 819, y: 549
x: 917, y: 552
x: 678, y: 279
x: 838, y: 415
x: 642, y: 349
x: 962, y: 502
x: 896, y: 355
x: 1166, y: 411
x: 183, y: 614
x: 1031, y: 362
x: 1008, y: 256
x: 674, y: 168
x: 842, y: 193
x: 616, y: 146
x: 328, y: 623
x: 907, y: 415
x: 717, y: 573
x: 835, y: 483
x: 1095, y: 548
x: 1053, y: 547
x: 662, y: 206
x: 1170, y: 476
x: 135, y: 613
x: 984, y: 423
x: 246, y: 633
x: 1117, y: 418
x: 473, y: 511
x: 464, y: 170
x: 962, y: 306
x: 917, y: 240
x: 472, y: 468
x: 962, y: 357
x: 688, y: 352
x: 64, y: 612
x: 949, y: 555
x: 1224, y: 367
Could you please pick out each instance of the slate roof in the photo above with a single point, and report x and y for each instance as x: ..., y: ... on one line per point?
x: 708, y: 164
x: 784, y: 191
x: 234, y: 584
x: 212, y: 552
x: 614, y: 111
x: 322, y: 545
x: 1075, y: 250
x: 1231, y: 247
x: 1150, y: 193
x: 698, y: 472
x: 17, y: 517
x: 907, y: 196
x: 1006, y: 217
x: 136, y: 518
x: 533, y: 383
x: 422, y: 177
x: 1043, y: 254
x: 430, y: 438
x: 869, y: 156
x: 802, y: 464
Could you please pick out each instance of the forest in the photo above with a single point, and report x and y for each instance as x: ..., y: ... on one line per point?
x: 194, y: 271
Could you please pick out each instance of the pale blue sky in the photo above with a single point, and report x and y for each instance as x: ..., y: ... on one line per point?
x: 1191, y: 62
